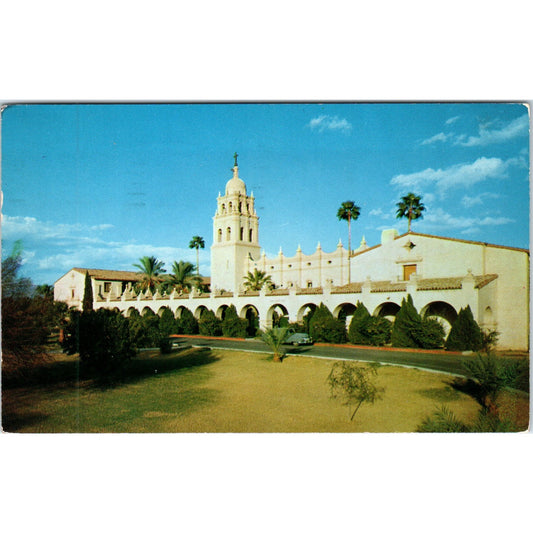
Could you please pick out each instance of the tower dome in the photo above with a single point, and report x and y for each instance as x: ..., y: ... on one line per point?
x: 235, y: 185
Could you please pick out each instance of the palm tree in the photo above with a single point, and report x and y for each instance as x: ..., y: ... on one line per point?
x: 411, y: 208
x: 182, y: 276
x: 151, y: 270
x: 274, y: 339
x: 254, y: 281
x: 197, y: 242
x: 349, y: 211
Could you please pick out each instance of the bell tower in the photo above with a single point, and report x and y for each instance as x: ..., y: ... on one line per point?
x: 235, y: 235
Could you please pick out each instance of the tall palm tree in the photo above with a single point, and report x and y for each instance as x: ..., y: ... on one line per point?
x: 411, y: 208
x: 349, y: 211
x: 197, y: 242
x: 152, y: 272
x: 254, y: 281
x: 182, y: 276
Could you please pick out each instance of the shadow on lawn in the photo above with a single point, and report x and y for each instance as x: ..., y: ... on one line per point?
x: 14, y: 421
x: 141, y: 368
x: 70, y: 373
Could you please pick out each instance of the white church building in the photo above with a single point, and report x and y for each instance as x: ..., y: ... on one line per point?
x: 441, y: 274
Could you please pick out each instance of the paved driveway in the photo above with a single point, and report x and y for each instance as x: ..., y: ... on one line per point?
x: 441, y: 362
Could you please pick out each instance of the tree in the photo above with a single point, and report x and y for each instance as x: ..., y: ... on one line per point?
x: 349, y: 211
x: 87, y: 304
x: 274, y: 339
x: 465, y: 333
x: 197, y: 242
x: 357, y: 332
x: 256, y: 280
x: 353, y: 384
x: 410, y: 207
x: 102, y: 338
x: 209, y: 324
x: 490, y: 379
x: 182, y: 276
x: 27, y: 319
x: 232, y: 325
x: 152, y: 271
x: 187, y: 323
x: 45, y: 291
x: 410, y: 330
x: 324, y: 327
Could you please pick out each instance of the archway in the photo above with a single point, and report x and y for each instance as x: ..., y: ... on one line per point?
x: 131, y: 311
x: 221, y: 311
x: 200, y: 310
x: 277, y: 316
x: 179, y: 311
x: 305, y: 313
x: 442, y: 310
x: 344, y: 312
x: 147, y: 311
x: 161, y: 310
x: 387, y: 310
x: 251, y: 314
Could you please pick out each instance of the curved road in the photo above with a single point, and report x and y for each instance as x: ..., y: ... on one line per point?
x: 450, y: 363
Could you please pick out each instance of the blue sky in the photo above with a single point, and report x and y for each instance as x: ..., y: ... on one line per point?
x: 99, y: 186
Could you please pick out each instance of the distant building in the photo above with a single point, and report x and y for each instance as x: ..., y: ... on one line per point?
x: 442, y: 275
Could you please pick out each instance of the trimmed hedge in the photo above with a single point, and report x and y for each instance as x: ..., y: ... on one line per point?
x: 232, y: 325
x: 410, y: 330
x: 209, y: 324
x: 368, y: 330
x: 324, y: 327
x: 465, y: 333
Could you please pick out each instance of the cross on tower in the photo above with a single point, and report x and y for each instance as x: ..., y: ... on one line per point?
x: 235, y: 155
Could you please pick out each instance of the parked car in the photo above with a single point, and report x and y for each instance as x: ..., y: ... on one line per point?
x: 298, y: 339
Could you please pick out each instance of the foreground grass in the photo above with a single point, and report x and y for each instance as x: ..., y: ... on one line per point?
x: 226, y: 391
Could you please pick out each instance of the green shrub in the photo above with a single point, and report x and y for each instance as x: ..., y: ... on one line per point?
x: 430, y: 334
x: 465, y: 333
x: 165, y: 345
x: 515, y: 374
x: 187, y: 324
x: 209, y: 324
x: 410, y: 330
x: 102, y: 338
x: 232, y: 325
x: 442, y: 421
x: 406, y: 324
x: 297, y: 327
x: 489, y: 376
x: 167, y: 323
x: 357, y: 332
x: 324, y: 327
x: 445, y: 421
x: 366, y: 329
x: 379, y: 330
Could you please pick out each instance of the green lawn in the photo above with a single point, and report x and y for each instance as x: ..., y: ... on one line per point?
x: 230, y: 391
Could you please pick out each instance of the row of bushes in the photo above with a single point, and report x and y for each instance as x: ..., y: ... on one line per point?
x: 94, y: 333
x: 410, y: 330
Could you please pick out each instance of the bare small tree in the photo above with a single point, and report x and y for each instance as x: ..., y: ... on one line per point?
x: 353, y: 384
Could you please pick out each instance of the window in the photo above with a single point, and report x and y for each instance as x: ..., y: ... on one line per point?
x: 408, y: 270
x: 107, y: 286
x: 309, y: 284
x: 228, y: 233
x: 242, y: 234
x: 72, y: 293
x: 251, y: 235
x: 219, y: 235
